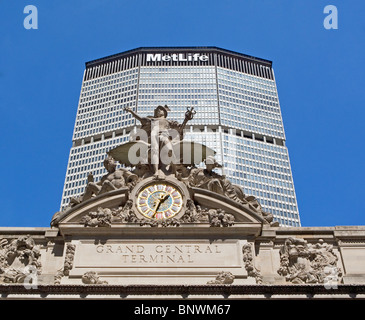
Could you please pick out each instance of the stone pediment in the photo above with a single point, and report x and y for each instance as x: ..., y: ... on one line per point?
x: 118, y: 211
x: 242, y: 212
x: 118, y: 198
x: 75, y: 213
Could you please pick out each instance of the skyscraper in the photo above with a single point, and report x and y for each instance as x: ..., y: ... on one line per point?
x: 238, y: 115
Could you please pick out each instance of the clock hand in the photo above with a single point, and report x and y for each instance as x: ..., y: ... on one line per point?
x: 165, y: 198
x: 161, y: 199
x: 156, y: 210
x: 155, y: 197
x: 158, y: 205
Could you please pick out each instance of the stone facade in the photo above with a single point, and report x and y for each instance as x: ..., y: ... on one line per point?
x: 178, y: 231
x: 197, y: 260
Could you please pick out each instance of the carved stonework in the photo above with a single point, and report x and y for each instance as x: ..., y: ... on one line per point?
x: 210, y: 180
x: 215, y: 217
x: 69, y: 258
x: 194, y: 214
x: 58, y: 276
x: 18, y: 259
x: 105, y: 217
x: 100, y: 218
x: 162, y: 223
x: 113, y: 180
x: 92, y: 277
x: 126, y: 214
x: 156, y: 155
x: 68, y: 263
x: 249, y: 266
x: 223, y: 278
x: 301, y: 262
x: 218, y: 218
x: 156, y: 133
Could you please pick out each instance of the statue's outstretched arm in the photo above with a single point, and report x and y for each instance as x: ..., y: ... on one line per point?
x: 189, y: 115
x: 133, y: 113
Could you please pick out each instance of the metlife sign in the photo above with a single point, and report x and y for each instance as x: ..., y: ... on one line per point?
x: 180, y: 57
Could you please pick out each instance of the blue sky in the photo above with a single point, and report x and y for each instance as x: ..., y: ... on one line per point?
x: 320, y: 77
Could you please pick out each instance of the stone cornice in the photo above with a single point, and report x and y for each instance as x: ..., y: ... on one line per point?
x: 309, y: 291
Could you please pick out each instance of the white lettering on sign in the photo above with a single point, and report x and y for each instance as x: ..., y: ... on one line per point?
x: 177, y: 57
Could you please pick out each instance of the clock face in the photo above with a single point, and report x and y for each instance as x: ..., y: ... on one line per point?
x: 159, y: 201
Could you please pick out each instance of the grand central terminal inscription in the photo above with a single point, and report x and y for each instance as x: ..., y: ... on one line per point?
x: 158, y: 253
x: 118, y: 254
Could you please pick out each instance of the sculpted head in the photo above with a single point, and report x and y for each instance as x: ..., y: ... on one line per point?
x: 211, y: 163
x: 110, y: 164
x: 161, y: 111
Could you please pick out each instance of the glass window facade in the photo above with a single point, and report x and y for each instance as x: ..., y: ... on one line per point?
x: 238, y: 115
x: 101, y: 104
x: 180, y: 87
x: 250, y: 103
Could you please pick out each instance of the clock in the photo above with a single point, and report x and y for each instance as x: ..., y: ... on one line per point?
x: 159, y: 201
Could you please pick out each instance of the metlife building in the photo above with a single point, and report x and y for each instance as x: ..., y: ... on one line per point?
x: 238, y: 115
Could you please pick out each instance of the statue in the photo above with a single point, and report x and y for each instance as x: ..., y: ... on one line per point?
x: 302, y: 262
x: 161, y: 135
x: 157, y: 148
x: 114, y: 179
x: 212, y: 181
x: 159, y: 142
x: 17, y: 259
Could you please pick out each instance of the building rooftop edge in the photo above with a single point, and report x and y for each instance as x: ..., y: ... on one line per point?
x: 156, y: 49
x: 353, y: 229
